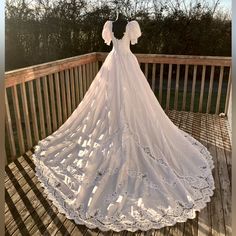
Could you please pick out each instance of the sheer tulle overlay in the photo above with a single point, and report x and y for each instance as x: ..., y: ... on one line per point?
x: 118, y: 162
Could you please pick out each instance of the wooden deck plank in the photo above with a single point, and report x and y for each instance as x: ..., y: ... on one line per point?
x: 191, y: 225
x: 28, y: 202
x: 78, y: 231
x: 45, y: 204
x: 48, y: 216
x: 69, y: 225
x: 227, y: 146
x: 56, y: 225
x: 218, y: 227
x: 15, y: 213
x: 177, y: 230
x: 204, y: 217
x: 224, y: 180
x: 45, y: 221
x: 31, y: 221
x: 27, y: 216
x: 29, y: 212
x: 21, y: 207
x: 92, y: 232
x: 22, y: 182
x: 108, y: 233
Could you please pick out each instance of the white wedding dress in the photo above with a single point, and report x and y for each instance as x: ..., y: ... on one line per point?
x: 118, y: 162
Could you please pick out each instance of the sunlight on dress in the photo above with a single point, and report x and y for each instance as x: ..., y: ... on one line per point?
x: 118, y: 162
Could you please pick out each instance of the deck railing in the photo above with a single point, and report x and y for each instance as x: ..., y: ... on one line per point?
x: 40, y: 98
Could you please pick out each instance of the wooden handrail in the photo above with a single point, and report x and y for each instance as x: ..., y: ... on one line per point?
x: 19, y: 76
x: 177, y: 59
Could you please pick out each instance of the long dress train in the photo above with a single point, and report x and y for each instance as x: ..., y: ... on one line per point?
x: 118, y: 162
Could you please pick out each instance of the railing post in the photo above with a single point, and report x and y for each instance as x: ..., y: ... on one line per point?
x: 229, y: 111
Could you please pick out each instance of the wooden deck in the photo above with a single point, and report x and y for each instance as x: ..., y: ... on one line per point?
x: 29, y: 212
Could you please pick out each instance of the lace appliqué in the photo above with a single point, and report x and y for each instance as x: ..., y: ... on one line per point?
x: 137, y: 217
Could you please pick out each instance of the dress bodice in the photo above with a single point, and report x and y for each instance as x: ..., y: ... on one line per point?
x: 131, y: 35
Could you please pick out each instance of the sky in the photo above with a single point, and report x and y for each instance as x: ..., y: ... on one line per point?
x: 226, y: 3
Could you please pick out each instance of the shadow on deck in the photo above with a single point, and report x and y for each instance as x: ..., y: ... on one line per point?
x: 29, y: 212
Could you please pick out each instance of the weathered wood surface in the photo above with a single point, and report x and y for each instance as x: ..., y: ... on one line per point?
x: 19, y: 76
x: 177, y: 59
x: 29, y: 212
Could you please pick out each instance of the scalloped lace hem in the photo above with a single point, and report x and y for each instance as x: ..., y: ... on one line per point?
x: 144, y: 220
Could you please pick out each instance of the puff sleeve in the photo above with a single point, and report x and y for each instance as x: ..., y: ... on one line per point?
x: 106, y: 32
x: 134, y: 31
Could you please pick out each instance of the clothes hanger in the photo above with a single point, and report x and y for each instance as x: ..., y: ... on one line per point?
x: 119, y: 24
x: 119, y: 15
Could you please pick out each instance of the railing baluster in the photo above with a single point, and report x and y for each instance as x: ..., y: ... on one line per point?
x: 219, y: 90
x: 84, y: 79
x: 52, y: 98
x: 40, y: 107
x: 46, y: 103
x: 76, y: 86
x: 177, y: 87
x: 161, y: 83
x: 193, y: 87
x: 33, y: 111
x: 9, y: 130
x: 68, y: 94
x: 153, y: 76
x: 91, y: 72
x: 26, y: 116
x: 87, y: 76
x: 210, y: 89
x: 168, y: 87
x: 58, y: 99
x: 18, y: 119
x: 185, y: 87
x: 202, y: 88
x: 63, y: 95
x: 146, y: 70
x: 94, y: 70
x: 72, y: 83
x: 96, y: 67
x: 228, y: 91
x: 81, y: 91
